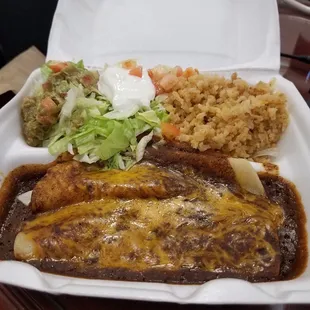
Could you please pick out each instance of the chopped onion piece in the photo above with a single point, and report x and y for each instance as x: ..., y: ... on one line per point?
x: 272, y: 152
x: 25, y: 198
x: 121, y: 163
x: 70, y: 149
x: 142, y: 145
x: 247, y: 176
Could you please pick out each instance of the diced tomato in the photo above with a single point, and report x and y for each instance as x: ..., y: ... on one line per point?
x: 158, y: 90
x: 47, y: 119
x: 136, y: 71
x: 150, y: 72
x: 57, y: 67
x: 164, y: 79
x: 47, y: 112
x: 178, y: 71
x: 190, y: 72
x: 87, y: 80
x: 168, y: 82
x: 170, y: 131
x: 47, y: 86
x: 129, y: 64
x: 159, y: 72
x: 48, y: 107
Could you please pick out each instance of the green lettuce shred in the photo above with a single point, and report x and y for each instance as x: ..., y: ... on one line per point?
x: 46, y: 71
x: 91, y: 129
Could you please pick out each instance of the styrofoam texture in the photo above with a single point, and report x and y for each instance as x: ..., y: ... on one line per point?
x: 208, y: 34
x: 293, y: 160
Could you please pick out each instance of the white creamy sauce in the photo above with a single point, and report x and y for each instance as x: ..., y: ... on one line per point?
x: 126, y: 92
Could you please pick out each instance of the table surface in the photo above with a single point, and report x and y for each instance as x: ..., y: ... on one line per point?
x: 295, y: 39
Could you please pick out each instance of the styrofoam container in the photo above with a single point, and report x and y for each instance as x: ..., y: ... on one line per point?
x: 226, y: 36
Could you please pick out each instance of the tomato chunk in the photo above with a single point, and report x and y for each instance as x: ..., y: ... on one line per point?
x: 178, y: 71
x: 158, y: 89
x: 47, y: 112
x: 47, y: 120
x: 129, y: 64
x: 88, y: 80
x: 47, y: 86
x: 158, y: 72
x: 165, y: 78
x: 170, y: 131
x: 57, y: 67
x: 190, y: 72
x: 168, y: 82
x: 48, y: 106
x: 137, y: 71
x: 150, y: 72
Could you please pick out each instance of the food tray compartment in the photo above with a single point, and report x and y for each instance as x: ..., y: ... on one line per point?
x: 294, y: 164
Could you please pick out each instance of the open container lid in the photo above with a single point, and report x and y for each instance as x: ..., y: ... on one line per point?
x: 207, y: 34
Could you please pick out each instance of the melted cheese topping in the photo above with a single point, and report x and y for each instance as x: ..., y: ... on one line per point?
x: 222, y: 232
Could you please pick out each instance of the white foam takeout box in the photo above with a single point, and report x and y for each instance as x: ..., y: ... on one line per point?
x: 226, y: 36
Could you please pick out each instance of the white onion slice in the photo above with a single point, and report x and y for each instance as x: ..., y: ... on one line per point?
x: 25, y: 198
x: 70, y: 149
x: 247, y: 176
x: 142, y: 145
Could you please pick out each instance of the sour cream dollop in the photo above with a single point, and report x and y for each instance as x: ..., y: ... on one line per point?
x: 126, y: 92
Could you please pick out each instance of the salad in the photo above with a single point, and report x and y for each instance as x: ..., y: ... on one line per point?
x: 107, y: 115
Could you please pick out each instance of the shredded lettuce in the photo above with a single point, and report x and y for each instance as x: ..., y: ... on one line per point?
x: 86, y: 159
x: 160, y: 111
x: 116, y: 162
x: 114, y: 143
x: 46, y: 71
x: 124, y: 114
x: 92, y: 131
x: 120, y: 162
x: 149, y: 117
x: 80, y: 64
x: 62, y: 87
x: 59, y: 146
x: 86, y: 103
x: 70, y: 103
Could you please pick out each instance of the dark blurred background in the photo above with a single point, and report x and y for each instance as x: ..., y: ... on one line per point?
x: 24, y: 23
